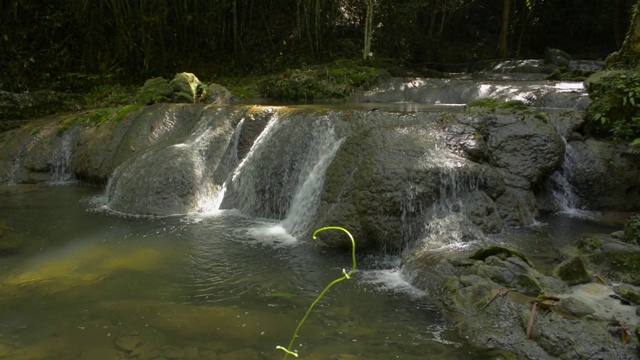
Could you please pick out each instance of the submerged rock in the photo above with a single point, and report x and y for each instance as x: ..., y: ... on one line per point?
x: 9, y: 241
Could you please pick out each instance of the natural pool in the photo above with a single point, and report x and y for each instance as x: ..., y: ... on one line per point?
x: 92, y: 284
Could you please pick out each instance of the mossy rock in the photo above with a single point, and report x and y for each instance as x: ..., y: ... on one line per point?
x: 572, y: 271
x: 187, y: 88
x: 156, y: 90
x: 611, y: 258
x: 499, y: 251
x: 628, y: 292
x: 632, y: 230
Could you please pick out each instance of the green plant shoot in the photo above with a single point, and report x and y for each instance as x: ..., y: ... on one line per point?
x: 346, y: 276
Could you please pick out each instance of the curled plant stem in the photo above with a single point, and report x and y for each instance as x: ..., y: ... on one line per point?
x: 347, y: 275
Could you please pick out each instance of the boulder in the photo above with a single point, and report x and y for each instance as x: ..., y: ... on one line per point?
x: 154, y: 90
x: 572, y: 271
x: 9, y: 241
x: 491, y: 293
x: 187, y: 88
x: 609, y: 257
x: 594, y: 163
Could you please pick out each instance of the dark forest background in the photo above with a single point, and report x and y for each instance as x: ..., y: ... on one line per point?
x: 48, y: 43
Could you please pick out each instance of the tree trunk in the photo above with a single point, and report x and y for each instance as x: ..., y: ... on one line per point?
x: 629, y: 54
x: 503, y: 46
x: 368, y: 30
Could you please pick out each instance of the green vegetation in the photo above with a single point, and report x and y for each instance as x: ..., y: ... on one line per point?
x: 614, y: 109
x: 70, y: 46
x: 98, y: 117
x: 346, y: 276
x: 332, y: 81
x: 632, y: 229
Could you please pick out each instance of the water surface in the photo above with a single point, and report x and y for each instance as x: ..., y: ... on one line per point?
x: 92, y: 284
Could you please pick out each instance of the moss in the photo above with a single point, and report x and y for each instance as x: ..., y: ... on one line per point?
x: 153, y: 91
x: 572, y: 271
x: 632, y: 230
x: 124, y: 111
x: 100, y: 116
x: 614, y: 107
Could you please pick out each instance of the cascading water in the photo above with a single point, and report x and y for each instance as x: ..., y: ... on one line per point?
x: 448, y: 224
x: 60, y: 162
x: 305, y: 201
x: 281, y: 176
x: 568, y: 201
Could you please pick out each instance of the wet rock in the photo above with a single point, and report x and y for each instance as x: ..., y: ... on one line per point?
x: 610, y: 257
x: 493, y: 296
x: 572, y: 271
x: 591, y: 179
x: 574, y: 307
x: 628, y: 293
x: 217, y: 94
x: 575, y: 339
x: 499, y: 251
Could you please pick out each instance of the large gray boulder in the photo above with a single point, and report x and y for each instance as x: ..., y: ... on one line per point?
x: 605, y: 176
x: 394, y: 175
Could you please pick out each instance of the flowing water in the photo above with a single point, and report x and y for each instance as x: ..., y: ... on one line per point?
x: 92, y: 284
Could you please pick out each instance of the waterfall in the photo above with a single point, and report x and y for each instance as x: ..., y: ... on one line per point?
x: 60, y: 161
x: 281, y: 176
x: 568, y: 201
x: 17, y: 164
x: 305, y: 201
x: 230, y: 161
x: 449, y: 224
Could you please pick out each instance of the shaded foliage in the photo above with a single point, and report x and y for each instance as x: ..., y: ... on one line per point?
x: 331, y: 81
x: 107, y: 41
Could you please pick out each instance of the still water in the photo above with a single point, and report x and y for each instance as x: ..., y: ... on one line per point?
x: 92, y: 284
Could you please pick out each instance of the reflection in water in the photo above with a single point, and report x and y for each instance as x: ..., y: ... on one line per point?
x: 94, y: 285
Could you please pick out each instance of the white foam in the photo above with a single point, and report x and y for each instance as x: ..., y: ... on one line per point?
x: 390, y: 280
x: 597, y: 297
x: 271, y: 234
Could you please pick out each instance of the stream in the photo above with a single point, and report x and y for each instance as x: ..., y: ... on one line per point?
x: 92, y: 284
